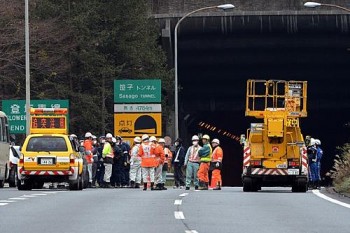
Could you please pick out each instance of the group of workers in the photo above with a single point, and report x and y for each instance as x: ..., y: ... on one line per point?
x: 315, y: 154
x: 111, y: 162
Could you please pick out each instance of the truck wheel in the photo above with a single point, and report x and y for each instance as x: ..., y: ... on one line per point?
x: 249, y: 185
x: 300, y: 186
x: 2, y: 183
x: 75, y: 184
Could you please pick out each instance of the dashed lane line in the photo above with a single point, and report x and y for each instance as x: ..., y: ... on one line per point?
x: 178, y: 202
x: 39, y: 194
x: 18, y: 198
x: 6, y: 201
x: 191, y: 231
x: 183, y: 195
x: 179, y: 215
x: 317, y: 193
x: 3, y: 204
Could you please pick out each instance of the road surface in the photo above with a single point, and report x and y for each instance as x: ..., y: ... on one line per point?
x: 129, y: 210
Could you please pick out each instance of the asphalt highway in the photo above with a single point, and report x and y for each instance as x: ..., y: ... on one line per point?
x: 129, y: 210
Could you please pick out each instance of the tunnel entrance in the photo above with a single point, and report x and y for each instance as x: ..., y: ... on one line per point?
x: 215, y: 64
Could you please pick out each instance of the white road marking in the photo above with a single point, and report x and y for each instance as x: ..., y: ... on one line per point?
x: 50, y: 192
x: 28, y: 196
x: 191, y: 231
x: 2, y: 204
x: 317, y: 193
x: 197, y: 190
x: 18, y: 198
x: 178, y: 202
x: 6, y: 201
x: 179, y: 215
x: 183, y: 195
x: 39, y: 194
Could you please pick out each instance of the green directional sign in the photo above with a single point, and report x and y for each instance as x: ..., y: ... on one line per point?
x: 137, y: 91
x: 16, y: 111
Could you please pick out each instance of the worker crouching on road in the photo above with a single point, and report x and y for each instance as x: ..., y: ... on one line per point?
x: 168, y: 156
x: 178, y: 162
x: 216, y: 164
x: 192, y: 162
x: 148, y: 161
x: 159, y: 152
x: 108, y: 155
x: 135, y: 164
x: 205, y: 154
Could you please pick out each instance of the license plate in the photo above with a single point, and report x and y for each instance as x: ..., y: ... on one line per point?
x: 45, y: 161
x: 282, y: 166
x: 293, y: 172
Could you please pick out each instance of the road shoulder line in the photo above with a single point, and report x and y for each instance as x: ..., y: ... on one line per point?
x: 317, y: 193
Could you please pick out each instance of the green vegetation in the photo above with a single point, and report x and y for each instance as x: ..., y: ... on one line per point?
x: 77, y: 49
x: 341, y: 170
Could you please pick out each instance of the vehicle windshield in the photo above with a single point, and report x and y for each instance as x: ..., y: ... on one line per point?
x: 47, y: 143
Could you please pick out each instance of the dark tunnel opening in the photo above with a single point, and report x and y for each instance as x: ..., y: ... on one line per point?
x: 214, y: 67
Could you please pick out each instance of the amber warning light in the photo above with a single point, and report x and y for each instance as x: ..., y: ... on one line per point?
x: 50, y: 111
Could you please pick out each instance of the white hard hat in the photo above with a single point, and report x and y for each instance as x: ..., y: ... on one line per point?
x: 153, y: 138
x: 318, y: 142
x: 206, y: 136
x: 312, y: 142
x: 145, y: 137
x: 109, y: 135
x: 94, y: 137
x: 195, y: 138
x: 73, y: 135
x: 161, y: 140
x: 137, y: 139
x: 114, y: 139
x: 88, y: 134
x: 215, y: 140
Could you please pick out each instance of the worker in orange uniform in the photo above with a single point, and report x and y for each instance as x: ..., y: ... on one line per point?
x: 148, y: 161
x: 159, y: 153
x: 216, y: 164
x: 168, y: 157
x: 205, y: 157
x: 89, y: 155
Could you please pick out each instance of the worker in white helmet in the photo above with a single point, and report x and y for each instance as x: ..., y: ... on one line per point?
x: 312, y: 155
x: 135, y: 164
x: 159, y: 153
x: 205, y: 154
x: 89, y: 155
x: 108, y: 155
x: 216, y: 164
x: 319, y: 155
x: 192, y: 162
x: 148, y: 162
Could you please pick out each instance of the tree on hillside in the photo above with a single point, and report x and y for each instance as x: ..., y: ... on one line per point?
x: 77, y: 49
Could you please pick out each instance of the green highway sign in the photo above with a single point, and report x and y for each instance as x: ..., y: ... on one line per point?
x: 16, y: 111
x: 137, y: 91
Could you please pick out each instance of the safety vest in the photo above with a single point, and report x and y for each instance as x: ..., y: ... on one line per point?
x: 147, y: 154
x: 193, y: 154
x: 218, y: 155
x: 205, y: 153
x: 159, y: 152
x: 107, y: 151
x: 88, y: 148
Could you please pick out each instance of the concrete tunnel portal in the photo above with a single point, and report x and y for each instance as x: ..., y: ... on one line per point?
x: 216, y: 55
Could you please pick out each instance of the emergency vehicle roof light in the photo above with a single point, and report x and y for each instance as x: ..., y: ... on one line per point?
x: 53, y: 111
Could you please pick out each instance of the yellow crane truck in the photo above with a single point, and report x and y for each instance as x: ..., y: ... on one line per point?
x: 274, y: 152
